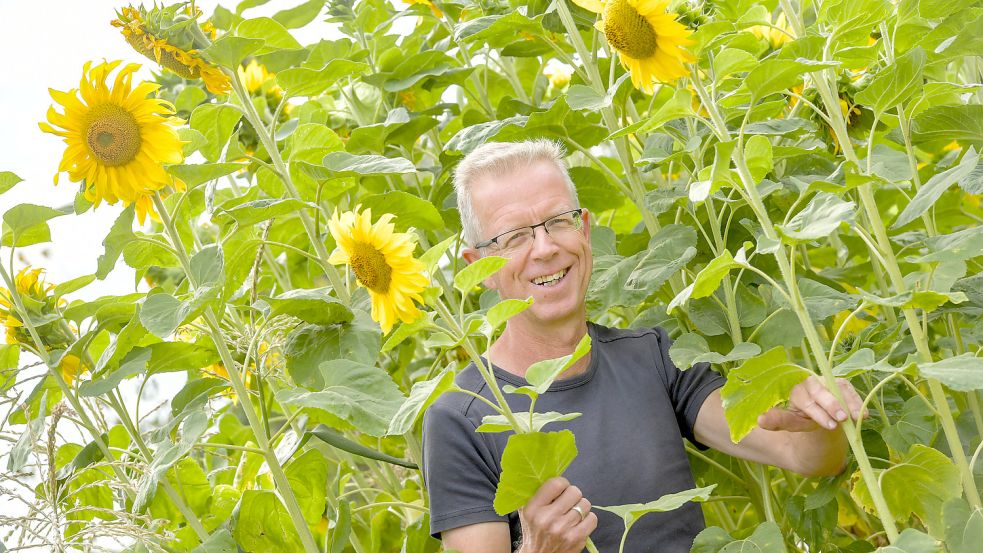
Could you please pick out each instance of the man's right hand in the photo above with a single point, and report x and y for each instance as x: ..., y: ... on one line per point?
x: 550, y: 524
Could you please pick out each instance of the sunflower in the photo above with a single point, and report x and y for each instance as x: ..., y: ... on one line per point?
x: 34, y: 294
x: 183, y: 61
x: 558, y: 73
x: 117, y: 138
x: 647, y: 37
x: 777, y: 33
x: 382, y: 261
x: 254, y: 76
x: 70, y: 366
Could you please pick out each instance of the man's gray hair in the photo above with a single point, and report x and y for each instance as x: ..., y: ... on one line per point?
x: 503, y: 158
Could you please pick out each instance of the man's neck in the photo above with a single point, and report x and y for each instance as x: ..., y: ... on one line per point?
x: 522, y: 345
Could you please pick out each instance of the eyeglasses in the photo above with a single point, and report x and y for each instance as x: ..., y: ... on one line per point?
x: 517, y: 239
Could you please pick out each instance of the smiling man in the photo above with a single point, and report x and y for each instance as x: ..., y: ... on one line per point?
x: 517, y: 201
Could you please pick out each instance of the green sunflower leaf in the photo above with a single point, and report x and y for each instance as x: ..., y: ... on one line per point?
x: 528, y: 461
x: 756, y: 386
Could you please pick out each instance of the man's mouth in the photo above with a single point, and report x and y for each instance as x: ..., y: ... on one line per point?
x: 551, y: 280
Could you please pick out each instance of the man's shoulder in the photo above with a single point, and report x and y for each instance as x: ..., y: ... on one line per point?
x: 607, y: 335
x: 456, y: 403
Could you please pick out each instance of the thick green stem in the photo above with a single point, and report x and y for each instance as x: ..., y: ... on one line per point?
x: 798, y: 305
x: 270, y: 144
x: 484, y: 370
x: 259, y: 434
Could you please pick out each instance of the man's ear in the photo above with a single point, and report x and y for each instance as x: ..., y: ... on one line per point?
x: 470, y: 255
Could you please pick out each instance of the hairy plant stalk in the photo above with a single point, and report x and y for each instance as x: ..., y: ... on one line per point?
x: 851, y: 430
x: 215, y: 332
x: 869, y: 204
x: 249, y: 111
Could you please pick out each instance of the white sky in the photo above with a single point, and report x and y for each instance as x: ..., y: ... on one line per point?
x: 46, y: 43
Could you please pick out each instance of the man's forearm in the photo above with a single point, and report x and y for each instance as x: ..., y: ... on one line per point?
x: 820, y: 452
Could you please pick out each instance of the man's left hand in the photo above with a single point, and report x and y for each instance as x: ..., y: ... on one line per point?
x: 812, y: 406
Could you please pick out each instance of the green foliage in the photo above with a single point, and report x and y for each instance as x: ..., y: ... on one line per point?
x: 805, y: 200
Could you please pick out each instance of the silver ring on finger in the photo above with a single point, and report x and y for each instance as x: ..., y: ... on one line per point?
x: 580, y: 512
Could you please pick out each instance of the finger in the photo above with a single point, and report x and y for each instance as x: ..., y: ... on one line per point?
x: 778, y: 419
x: 548, y: 492
x: 566, y: 500
x: 587, y: 526
x: 852, y: 398
x: 576, y: 518
x: 825, y: 399
x: 818, y: 414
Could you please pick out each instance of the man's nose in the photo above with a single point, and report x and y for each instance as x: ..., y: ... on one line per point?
x: 543, y: 243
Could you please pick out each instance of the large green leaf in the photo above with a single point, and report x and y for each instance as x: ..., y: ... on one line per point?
x: 215, y: 122
x: 304, y: 81
x: 311, y: 306
x: 930, y: 192
x: 963, y: 373
x: 423, y: 394
x: 912, y: 541
x: 256, y: 211
x: 263, y: 524
x: 361, y: 395
x: 919, y: 484
x: 308, y: 345
x: 775, y: 75
x: 894, y: 84
x: 707, y: 280
x: 766, y: 538
x: 669, y: 502
x: 300, y: 15
x: 27, y: 224
x: 528, y: 461
x: 344, y: 163
x: 272, y: 33
x: 755, y: 387
x: 819, y: 219
x: 467, y: 278
x: 410, y: 210
x: 8, y: 180
x: 963, y: 528
x: 963, y: 123
x: 308, y: 477
x: 229, y: 51
x: 120, y: 233
x: 193, y: 175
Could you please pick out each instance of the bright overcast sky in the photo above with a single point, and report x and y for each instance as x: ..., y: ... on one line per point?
x: 46, y: 43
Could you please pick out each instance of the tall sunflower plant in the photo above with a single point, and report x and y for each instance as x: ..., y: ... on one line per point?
x: 789, y: 188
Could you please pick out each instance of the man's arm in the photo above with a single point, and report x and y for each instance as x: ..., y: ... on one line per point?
x: 805, y: 437
x: 485, y: 537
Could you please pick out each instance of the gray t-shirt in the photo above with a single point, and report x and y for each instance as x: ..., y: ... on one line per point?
x: 636, y: 407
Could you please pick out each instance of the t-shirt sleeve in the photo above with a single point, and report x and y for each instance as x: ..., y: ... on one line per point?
x: 460, y: 471
x: 687, y: 389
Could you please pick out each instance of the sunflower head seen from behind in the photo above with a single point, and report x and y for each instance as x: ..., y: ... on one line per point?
x: 163, y: 34
x: 383, y: 263
x: 117, y: 137
x: 649, y: 40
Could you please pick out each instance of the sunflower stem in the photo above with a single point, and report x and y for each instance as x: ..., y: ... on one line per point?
x: 269, y: 142
x: 83, y: 415
x: 259, y: 434
x: 756, y: 204
x: 486, y: 371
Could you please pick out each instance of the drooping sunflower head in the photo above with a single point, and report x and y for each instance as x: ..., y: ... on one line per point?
x: 35, y: 296
x: 163, y: 35
x: 383, y: 263
x: 117, y: 137
x: 649, y: 40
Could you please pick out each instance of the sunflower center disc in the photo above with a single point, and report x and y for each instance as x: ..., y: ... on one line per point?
x: 112, y: 134
x: 371, y: 268
x: 628, y: 31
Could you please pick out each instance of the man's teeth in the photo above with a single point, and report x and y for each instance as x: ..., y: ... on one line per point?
x: 550, y: 279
